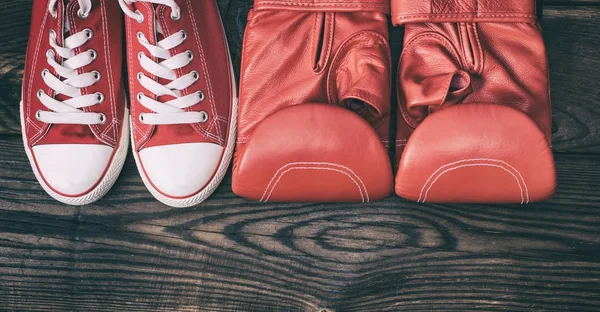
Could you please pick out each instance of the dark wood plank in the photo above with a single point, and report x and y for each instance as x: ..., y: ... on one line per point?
x: 161, y: 276
x: 130, y: 253
x: 11, y: 73
x: 574, y: 210
x: 574, y: 57
x: 15, y: 17
x: 570, y: 2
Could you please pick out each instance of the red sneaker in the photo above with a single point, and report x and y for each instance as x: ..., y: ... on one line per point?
x: 183, y: 97
x: 73, y: 102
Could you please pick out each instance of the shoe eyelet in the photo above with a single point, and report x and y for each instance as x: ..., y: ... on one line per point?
x: 183, y: 34
x: 190, y: 54
x: 102, y: 118
x: 83, y: 15
x: 88, y: 33
x: 201, y: 96
x: 97, y: 75
x: 38, y: 115
x: 100, y: 97
x: 52, y: 34
x: 45, y: 72
x: 140, y: 96
x: 139, y: 35
x: 175, y: 16
x: 204, y: 116
x: 50, y: 54
x: 141, y: 118
x: 140, y: 18
x: 140, y: 55
x: 40, y: 93
x: 140, y: 75
x: 93, y: 54
x: 196, y: 75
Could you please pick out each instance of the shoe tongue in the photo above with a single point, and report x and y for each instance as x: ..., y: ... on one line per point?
x: 159, y: 31
x: 66, y: 28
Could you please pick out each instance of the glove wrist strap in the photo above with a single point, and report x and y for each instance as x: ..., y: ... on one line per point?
x: 382, y: 6
x: 457, y: 11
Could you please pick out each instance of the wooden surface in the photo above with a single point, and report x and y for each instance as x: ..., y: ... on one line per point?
x: 129, y: 253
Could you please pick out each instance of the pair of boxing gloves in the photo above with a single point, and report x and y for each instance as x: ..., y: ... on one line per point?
x: 474, y: 114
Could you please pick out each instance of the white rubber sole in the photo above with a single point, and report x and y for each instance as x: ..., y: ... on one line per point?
x: 107, y: 181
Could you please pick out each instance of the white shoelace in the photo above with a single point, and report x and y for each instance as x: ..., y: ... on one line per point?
x: 70, y: 111
x: 173, y: 111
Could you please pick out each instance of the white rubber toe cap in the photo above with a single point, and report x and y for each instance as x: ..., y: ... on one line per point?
x: 181, y: 170
x: 72, y: 169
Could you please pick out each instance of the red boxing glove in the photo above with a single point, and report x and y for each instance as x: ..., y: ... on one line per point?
x: 473, y: 86
x: 314, y: 102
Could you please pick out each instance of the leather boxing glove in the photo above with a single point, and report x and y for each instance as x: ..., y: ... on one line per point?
x: 314, y: 102
x: 474, y: 99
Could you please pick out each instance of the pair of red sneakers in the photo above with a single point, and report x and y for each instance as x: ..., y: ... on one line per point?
x: 74, y: 114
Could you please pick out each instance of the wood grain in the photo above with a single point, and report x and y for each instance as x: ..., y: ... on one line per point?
x: 128, y: 252
x: 574, y: 57
x: 229, y: 254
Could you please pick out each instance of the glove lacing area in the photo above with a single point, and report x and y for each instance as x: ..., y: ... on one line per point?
x: 172, y: 111
x: 69, y: 82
